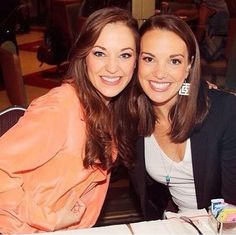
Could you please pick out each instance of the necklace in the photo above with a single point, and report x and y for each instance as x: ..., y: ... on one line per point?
x: 167, y: 177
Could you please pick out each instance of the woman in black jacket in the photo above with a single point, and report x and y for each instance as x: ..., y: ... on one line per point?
x: 186, y: 153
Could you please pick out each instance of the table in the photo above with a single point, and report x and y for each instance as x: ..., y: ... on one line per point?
x: 171, y: 226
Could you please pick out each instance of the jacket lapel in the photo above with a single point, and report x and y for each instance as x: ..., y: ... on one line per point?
x: 199, y: 141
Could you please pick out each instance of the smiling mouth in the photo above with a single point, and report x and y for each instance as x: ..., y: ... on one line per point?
x: 111, y: 79
x: 160, y: 86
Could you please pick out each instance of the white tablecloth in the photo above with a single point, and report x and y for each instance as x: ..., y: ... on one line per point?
x: 170, y: 226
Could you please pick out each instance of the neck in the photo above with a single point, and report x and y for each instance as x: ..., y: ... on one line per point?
x: 162, y: 109
x: 162, y: 114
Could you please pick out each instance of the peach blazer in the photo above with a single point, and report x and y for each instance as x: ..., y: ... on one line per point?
x: 43, y: 184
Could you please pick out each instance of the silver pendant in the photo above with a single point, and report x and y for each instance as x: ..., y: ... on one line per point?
x: 167, y: 177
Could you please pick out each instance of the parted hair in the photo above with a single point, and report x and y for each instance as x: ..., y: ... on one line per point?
x: 189, y: 112
x: 107, y: 126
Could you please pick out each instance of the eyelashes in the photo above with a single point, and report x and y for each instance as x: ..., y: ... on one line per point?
x: 172, y: 61
x: 125, y: 55
x: 98, y: 53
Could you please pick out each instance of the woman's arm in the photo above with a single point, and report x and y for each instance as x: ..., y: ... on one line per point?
x: 37, y: 138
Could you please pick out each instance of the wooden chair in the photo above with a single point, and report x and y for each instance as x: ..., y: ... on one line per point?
x: 219, y: 67
x: 9, y: 117
x: 12, y: 77
x: 73, y: 20
x: 64, y: 13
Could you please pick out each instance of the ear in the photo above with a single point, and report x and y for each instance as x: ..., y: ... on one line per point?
x: 190, y: 64
x: 187, y: 71
x: 188, y: 68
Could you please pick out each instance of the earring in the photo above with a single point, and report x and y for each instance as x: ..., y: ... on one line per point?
x: 184, y: 90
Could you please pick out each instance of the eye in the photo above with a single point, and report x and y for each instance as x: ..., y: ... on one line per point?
x: 147, y: 59
x: 99, y: 53
x: 176, y: 61
x: 126, y: 55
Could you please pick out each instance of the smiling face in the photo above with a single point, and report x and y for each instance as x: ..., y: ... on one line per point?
x: 111, y: 62
x: 163, y: 65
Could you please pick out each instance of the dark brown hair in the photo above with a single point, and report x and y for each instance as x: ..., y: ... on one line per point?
x: 106, y: 125
x: 188, y: 112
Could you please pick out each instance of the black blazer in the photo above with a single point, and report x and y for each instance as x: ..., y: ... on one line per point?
x: 213, y: 156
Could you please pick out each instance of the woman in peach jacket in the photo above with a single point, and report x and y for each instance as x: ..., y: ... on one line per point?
x: 55, y: 162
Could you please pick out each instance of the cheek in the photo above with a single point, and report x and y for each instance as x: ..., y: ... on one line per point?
x: 93, y: 65
x: 145, y: 70
x: 140, y: 70
x: 179, y: 75
x: 141, y: 74
x: 142, y: 82
x: 128, y: 68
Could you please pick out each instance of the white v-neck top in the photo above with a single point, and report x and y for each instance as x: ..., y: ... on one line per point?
x: 181, y: 185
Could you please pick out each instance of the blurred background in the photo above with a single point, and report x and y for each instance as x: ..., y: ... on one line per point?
x: 36, y: 35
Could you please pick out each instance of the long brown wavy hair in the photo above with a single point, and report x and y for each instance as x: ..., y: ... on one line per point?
x: 189, y: 112
x: 107, y: 126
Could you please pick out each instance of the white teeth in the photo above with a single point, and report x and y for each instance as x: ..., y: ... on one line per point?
x: 110, y: 79
x: 160, y: 85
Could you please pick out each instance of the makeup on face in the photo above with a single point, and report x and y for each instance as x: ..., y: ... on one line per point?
x: 112, y: 60
x: 163, y: 65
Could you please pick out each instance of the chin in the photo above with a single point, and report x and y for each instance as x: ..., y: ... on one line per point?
x: 113, y: 93
x: 109, y: 96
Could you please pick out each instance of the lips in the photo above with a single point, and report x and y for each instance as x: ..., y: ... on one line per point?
x: 159, y: 86
x: 111, y: 79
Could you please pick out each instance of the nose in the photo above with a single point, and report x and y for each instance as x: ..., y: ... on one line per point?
x: 160, y: 72
x: 112, y: 65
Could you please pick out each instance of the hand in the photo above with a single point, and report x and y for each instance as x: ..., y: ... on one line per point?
x: 212, y: 85
x: 71, y: 213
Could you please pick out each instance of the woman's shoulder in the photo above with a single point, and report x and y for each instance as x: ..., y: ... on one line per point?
x: 222, y: 99
x: 59, y: 100
x: 220, y: 94
x: 61, y: 95
x: 66, y: 90
x: 222, y: 111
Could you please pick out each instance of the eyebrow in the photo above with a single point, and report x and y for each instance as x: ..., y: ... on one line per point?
x: 171, y: 56
x: 123, y: 49
x: 177, y: 55
x: 147, y: 53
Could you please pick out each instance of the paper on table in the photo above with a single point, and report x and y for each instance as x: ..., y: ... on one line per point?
x: 174, y: 225
x: 165, y: 227
x: 188, y: 213
x: 199, y: 217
